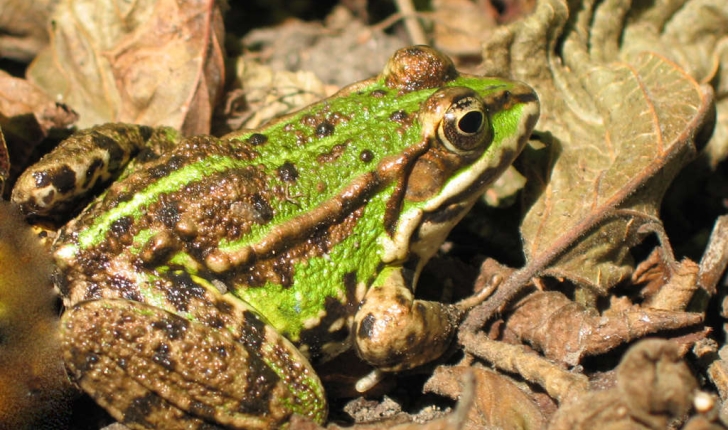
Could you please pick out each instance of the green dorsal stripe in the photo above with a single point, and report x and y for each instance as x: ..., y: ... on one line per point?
x: 175, y: 181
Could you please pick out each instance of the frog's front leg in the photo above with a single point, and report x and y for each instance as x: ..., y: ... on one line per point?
x: 395, y: 332
x: 151, y: 368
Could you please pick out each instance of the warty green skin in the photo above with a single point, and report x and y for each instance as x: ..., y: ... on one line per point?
x: 211, y: 257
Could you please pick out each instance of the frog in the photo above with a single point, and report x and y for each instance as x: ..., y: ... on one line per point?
x: 203, y: 285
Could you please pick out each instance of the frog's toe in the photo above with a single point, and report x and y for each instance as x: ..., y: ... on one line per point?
x: 149, y: 367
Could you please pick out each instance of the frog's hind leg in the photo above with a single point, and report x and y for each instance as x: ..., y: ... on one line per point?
x: 149, y: 367
x: 80, y: 164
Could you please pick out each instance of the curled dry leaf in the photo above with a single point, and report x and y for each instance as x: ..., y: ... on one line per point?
x: 459, y: 26
x: 268, y: 93
x: 358, y: 49
x: 23, y: 30
x: 617, y: 130
x: 681, y: 285
x: 498, y: 402
x: 559, y: 383
x: 718, y: 373
x: 145, y: 62
x: 27, y: 116
x: 715, y: 258
x: 693, y: 34
x: 618, y: 134
x: 654, y: 387
x: 568, y: 331
x: 4, y: 162
x: 20, y: 100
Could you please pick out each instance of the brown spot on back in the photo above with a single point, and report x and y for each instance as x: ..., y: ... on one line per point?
x: 366, y: 156
x: 140, y: 408
x: 173, y: 328
x: 161, y: 357
x: 181, y: 290
x: 331, y: 156
x: 325, y: 129
x: 256, y: 139
x: 287, y: 172
x: 399, y: 116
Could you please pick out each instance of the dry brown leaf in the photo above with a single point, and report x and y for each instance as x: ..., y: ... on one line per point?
x: 24, y: 27
x: 668, y: 286
x: 617, y: 131
x: 559, y: 383
x: 27, y: 116
x: 609, y: 170
x: 654, y: 387
x: 715, y: 259
x: 617, y: 134
x: 19, y: 100
x: 4, y: 162
x: 26, y: 112
x: 146, y: 62
x: 499, y: 403
x: 268, y: 93
x: 693, y: 34
x: 358, y: 50
x: 679, y: 289
x: 718, y: 373
x: 567, y: 331
x: 650, y: 273
x: 460, y: 26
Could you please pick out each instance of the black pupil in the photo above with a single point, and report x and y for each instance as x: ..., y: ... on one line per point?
x: 470, y: 122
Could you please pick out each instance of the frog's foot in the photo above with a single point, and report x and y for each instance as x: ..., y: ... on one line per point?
x: 394, y: 332
x: 151, y: 368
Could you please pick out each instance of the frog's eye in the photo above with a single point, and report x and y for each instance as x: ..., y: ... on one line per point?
x: 465, y: 126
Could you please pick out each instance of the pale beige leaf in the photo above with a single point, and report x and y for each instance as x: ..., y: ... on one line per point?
x: 654, y: 388
x: 144, y: 62
x: 4, y: 162
x: 269, y: 93
x: 498, y: 402
x: 24, y: 27
x: 27, y: 116
x: 618, y: 133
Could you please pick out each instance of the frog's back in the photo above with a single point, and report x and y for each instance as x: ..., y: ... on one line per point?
x: 226, y: 213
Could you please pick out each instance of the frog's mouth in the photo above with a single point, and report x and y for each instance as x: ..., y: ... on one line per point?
x: 433, y: 231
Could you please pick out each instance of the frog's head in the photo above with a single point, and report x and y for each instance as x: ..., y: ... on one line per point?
x: 472, y: 127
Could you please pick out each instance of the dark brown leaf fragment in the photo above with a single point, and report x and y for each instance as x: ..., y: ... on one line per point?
x: 156, y: 63
x: 567, y: 331
x: 654, y: 387
x: 498, y: 402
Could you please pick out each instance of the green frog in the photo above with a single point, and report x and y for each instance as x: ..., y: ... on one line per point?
x: 201, y: 285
